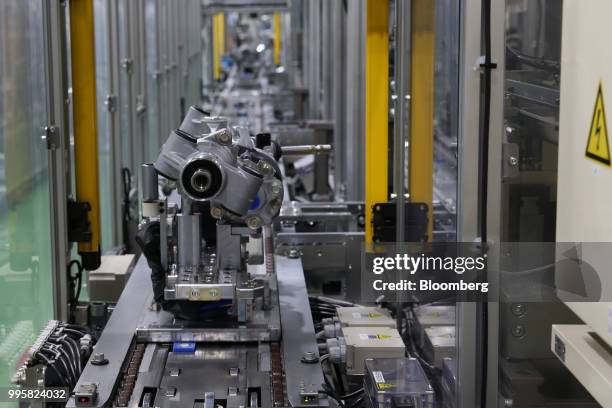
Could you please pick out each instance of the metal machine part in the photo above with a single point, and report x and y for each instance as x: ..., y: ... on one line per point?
x: 439, y: 343
x: 228, y: 186
x: 397, y: 383
x: 107, y: 282
x: 242, y: 362
x: 587, y: 356
x: 426, y: 316
x: 370, y: 342
x: 208, y: 240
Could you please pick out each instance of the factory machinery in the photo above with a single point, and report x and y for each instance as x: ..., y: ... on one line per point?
x: 217, y: 311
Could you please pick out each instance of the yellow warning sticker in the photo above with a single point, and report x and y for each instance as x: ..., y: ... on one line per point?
x: 598, y: 146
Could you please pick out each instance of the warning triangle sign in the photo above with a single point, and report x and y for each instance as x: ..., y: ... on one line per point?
x: 598, y: 146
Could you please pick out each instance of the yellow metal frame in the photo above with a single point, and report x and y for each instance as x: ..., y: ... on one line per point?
x: 277, y: 38
x: 376, y: 108
x: 422, y: 105
x: 218, y: 21
x: 85, y: 130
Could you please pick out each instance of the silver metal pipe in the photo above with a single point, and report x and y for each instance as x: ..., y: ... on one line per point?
x: 306, y: 150
x: 402, y: 120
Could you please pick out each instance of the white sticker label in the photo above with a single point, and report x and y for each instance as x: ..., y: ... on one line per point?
x: 356, y: 315
x: 363, y: 336
x: 378, y: 377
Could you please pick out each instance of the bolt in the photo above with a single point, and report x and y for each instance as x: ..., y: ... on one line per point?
x: 293, y: 254
x: 518, y: 309
x: 253, y: 222
x: 518, y: 330
x: 216, y: 212
x: 265, y: 167
x: 98, y: 359
x: 309, y: 357
x: 513, y: 161
x: 224, y: 137
x: 276, y: 188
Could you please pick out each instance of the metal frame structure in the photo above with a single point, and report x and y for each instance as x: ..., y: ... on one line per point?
x: 469, y: 320
x: 355, y: 100
x: 496, y: 132
x: 57, y: 142
x: 402, y: 119
x: 467, y: 193
x: 113, y: 118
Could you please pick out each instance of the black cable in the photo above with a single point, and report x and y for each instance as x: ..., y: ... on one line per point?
x: 541, y: 63
x: 330, y: 387
x: 56, y: 357
x: 323, y: 309
x: 126, y: 176
x: 353, y: 394
x: 76, y: 282
x: 73, y: 331
x: 67, y: 362
x: 72, y: 347
x: 63, y: 379
x: 59, y: 343
x: 484, y: 179
x: 332, y: 396
x: 358, y: 402
x: 76, y: 353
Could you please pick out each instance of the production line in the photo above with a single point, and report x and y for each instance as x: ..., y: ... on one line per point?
x: 305, y: 203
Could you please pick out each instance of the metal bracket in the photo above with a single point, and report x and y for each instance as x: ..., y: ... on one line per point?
x: 111, y: 103
x: 51, y: 136
x: 141, y: 106
x: 127, y: 64
x: 416, y: 222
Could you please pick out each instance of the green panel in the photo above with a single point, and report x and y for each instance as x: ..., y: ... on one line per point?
x: 26, y: 296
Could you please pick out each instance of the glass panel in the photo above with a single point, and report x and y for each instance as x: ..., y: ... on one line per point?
x: 26, y: 297
x: 446, y: 111
x: 529, y: 373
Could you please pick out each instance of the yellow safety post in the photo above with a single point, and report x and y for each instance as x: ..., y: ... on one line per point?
x: 85, y: 129
x: 277, y: 37
x: 422, y: 105
x: 218, y: 43
x: 376, y: 107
